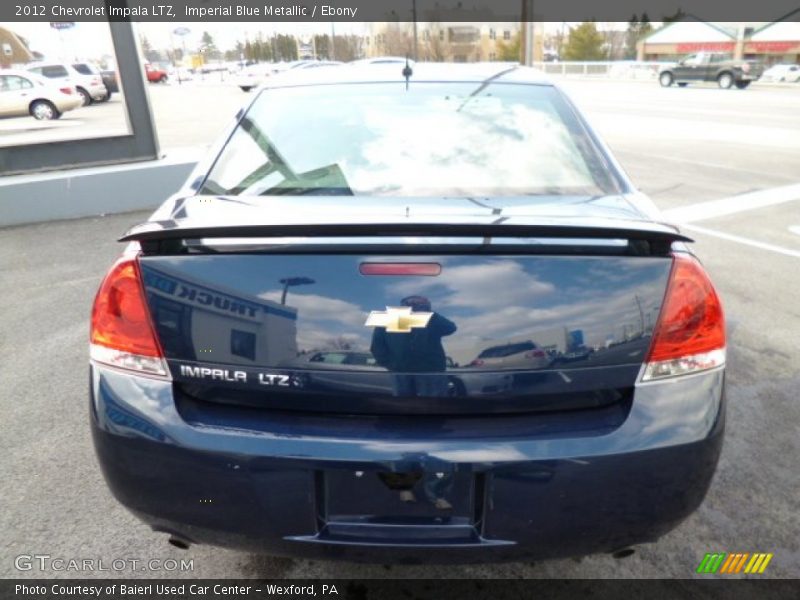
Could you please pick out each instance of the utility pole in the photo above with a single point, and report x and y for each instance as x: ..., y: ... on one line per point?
x: 414, y: 17
x: 529, y: 44
x: 333, y: 40
x: 526, y: 31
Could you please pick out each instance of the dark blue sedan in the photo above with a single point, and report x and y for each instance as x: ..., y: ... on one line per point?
x: 409, y: 315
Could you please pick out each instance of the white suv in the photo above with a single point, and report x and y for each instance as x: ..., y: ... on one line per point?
x: 90, y: 87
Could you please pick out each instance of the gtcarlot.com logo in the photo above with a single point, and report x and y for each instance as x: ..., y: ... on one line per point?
x: 735, y: 562
x: 45, y: 562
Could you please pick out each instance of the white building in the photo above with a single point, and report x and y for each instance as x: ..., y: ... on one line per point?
x: 777, y: 42
x: 218, y: 324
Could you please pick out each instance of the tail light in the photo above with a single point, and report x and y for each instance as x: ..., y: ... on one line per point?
x: 65, y: 90
x: 690, y: 334
x: 476, y: 363
x: 122, y: 334
x: 745, y: 67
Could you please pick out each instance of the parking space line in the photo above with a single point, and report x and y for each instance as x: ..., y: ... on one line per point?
x: 734, y: 204
x: 697, y: 163
x: 743, y: 240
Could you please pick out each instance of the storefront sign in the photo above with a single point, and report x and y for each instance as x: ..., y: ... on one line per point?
x: 772, y: 47
x: 687, y: 48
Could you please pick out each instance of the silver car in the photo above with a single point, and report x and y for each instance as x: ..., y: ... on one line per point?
x: 22, y: 93
x: 90, y: 87
x: 518, y: 355
x: 787, y: 72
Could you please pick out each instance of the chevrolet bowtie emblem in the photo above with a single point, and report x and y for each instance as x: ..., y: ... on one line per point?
x: 398, y: 319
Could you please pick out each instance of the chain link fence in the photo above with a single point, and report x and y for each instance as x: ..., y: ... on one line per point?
x: 626, y: 69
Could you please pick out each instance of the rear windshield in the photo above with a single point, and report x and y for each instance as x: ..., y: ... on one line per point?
x: 501, y: 351
x: 83, y: 69
x: 432, y: 139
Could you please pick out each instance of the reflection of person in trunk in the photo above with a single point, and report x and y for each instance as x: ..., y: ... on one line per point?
x: 417, y: 358
x: 415, y: 355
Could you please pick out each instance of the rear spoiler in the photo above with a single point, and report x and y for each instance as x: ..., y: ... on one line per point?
x: 161, y: 231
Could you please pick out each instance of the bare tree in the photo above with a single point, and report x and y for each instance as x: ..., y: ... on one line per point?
x: 348, y: 47
x: 396, y: 41
x: 615, y: 41
x: 435, y: 46
x: 511, y: 50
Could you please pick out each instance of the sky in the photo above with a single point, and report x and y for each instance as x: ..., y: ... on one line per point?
x: 92, y: 40
x: 226, y: 34
x: 84, y: 41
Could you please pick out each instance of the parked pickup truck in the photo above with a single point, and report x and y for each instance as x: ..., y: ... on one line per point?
x: 711, y: 66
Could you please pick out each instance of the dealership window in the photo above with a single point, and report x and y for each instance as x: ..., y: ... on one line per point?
x: 441, y: 35
x: 170, y: 318
x: 506, y: 34
x: 243, y: 343
x: 492, y: 34
x: 90, y: 75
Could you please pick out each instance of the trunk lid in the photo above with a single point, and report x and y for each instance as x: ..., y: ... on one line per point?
x: 555, y: 314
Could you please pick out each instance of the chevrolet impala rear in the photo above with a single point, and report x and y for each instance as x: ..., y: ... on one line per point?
x: 409, y: 316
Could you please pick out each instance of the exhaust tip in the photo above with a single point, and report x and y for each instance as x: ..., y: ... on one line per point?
x: 178, y: 542
x: 623, y: 553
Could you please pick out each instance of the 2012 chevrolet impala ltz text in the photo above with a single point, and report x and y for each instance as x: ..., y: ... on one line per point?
x: 409, y: 314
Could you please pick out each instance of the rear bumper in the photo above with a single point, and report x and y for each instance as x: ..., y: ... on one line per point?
x: 110, y: 83
x: 98, y: 92
x: 68, y: 103
x: 533, y: 497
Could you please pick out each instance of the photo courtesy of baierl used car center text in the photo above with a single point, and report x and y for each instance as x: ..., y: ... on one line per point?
x: 399, y: 299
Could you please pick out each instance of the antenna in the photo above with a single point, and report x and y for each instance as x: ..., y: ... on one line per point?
x: 407, y: 72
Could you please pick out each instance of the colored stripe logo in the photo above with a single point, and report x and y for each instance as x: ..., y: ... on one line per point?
x: 735, y: 562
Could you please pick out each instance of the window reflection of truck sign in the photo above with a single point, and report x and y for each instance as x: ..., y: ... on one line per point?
x: 210, y: 300
x: 229, y: 326
x: 60, y: 26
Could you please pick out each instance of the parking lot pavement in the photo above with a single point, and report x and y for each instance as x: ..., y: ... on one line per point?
x: 56, y: 503
x: 687, y: 145
x: 93, y: 121
x: 191, y: 114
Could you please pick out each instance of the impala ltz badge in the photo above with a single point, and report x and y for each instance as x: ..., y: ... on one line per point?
x: 241, y: 376
x: 398, y: 319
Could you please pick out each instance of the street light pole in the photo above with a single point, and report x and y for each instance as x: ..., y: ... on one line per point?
x: 293, y: 281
